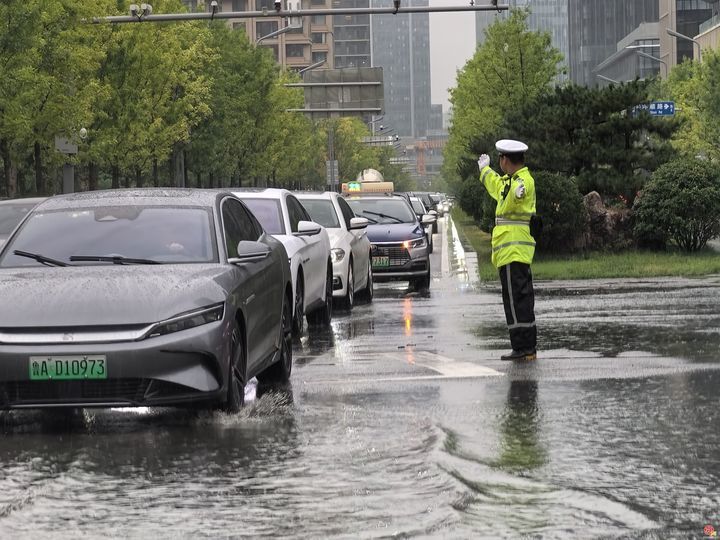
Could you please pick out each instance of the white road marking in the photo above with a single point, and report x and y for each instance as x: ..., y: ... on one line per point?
x: 445, y: 255
x: 445, y: 367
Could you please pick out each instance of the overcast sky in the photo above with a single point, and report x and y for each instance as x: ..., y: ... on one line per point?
x: 452, y: 43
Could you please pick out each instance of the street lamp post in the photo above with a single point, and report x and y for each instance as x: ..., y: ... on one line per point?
x: 273, y: 34
x: 651, y: 57
x: 607, y: 79
x: 312, y: 66
x: 687, y: 38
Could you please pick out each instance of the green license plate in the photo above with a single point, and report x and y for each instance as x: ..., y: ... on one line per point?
x: 381, y: 261
x: 67, y: 368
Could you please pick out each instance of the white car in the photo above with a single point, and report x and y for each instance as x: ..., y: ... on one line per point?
x: 350, y: 247
x: 308, y: 247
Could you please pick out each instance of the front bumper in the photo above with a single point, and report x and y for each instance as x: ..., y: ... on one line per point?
x: 186, y: 367
x: 405, y: 263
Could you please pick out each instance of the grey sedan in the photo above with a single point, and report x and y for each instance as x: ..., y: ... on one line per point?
x: 142, y: 298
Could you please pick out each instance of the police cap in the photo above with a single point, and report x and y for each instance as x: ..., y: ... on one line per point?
x: 509, y: 146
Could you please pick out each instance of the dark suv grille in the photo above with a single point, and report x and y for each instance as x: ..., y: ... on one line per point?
x: 18, y: 392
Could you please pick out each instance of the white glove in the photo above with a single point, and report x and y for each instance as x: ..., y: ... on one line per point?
x: 520, y: 191
x: 483, y: 161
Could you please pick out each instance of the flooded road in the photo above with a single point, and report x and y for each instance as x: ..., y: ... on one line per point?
x: 402, y: 422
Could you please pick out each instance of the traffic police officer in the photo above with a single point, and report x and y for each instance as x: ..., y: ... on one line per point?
x: 512, y: 245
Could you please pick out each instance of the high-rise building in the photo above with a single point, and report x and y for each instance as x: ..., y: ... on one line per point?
x: 401, y: 46
x: 297, y: 48
x: 686, y: 17
x: 596, y: 27
x: 545, y: 15
x: 351, y: 35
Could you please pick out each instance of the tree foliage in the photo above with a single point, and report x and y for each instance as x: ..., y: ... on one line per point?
x: 681, y: 203
x: 184, y: 102
x: 594, y: 135
x: 512, y: 66
x: 695, y: 88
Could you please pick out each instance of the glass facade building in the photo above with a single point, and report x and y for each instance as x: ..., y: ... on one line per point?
x: 401, y: 46
x: 351, y: 34
x: 596, y: 27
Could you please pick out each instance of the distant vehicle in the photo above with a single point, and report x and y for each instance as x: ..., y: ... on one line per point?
x: 12, y: 212
x: 146, y: 297
x: 399, y: 243
x: 429, y: 203
x: 420, y: 210
x: 350, y: 247
x: 308, y: 247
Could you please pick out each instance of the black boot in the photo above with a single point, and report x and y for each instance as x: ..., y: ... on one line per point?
x: 519, y: 355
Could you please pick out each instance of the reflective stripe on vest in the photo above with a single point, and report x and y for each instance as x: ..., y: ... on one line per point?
x: 502, y: 221
x: 519, y: 243
x: 482, y: 178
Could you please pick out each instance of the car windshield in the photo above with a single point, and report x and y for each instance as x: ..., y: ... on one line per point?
x: 383, y: 210
x: 322, y: 211
x: 11, y: 214
x: 159, y: 234
x: 268, y: 213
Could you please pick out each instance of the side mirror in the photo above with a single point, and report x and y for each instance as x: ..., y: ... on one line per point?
x: 307, y: 228
x: 250, y: 252
x: 358, y: 223
x: 428, y: 218
x: 432, y: 213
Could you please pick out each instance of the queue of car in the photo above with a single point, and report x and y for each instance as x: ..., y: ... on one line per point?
x: 158, y: 297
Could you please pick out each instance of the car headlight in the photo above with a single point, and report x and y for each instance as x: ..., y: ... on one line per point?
x: 417, y: 243
x: 185, y: 321
x: 337, y: 255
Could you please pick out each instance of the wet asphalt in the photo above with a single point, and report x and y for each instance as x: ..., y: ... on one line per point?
x: 402, y: 422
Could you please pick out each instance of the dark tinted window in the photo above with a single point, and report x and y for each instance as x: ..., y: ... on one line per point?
x: 268, y: 213
x: 347, y: 212
x: 163, y: 234
x: 417, y: 206
x: 237, y: 225
x: 296, y: 213
x: 322, y: 211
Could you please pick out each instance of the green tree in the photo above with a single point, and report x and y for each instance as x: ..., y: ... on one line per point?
x: 65, y: 85
x: 681, y: 203
x: 155, y: 90
x: 594, y: 135
x: 512, y: 66
x: 695, y: 88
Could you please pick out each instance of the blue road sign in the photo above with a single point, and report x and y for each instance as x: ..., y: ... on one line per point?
x: 662, y: 108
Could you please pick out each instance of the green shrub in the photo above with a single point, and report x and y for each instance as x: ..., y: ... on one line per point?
x: 564, y: 217
x: 680, y: 203
x: 560, y: 205
x: 471, y: 197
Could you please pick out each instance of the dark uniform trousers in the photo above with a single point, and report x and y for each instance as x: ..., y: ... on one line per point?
x: 519, y: 301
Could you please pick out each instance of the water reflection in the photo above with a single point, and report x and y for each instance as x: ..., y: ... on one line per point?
x: 521, y: 447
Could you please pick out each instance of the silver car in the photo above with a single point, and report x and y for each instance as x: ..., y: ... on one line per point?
x: 141, y: 298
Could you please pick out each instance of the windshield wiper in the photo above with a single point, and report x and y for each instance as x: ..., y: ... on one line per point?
x: 117, y: 259
x: 383, y: 216
x: 47, y: 261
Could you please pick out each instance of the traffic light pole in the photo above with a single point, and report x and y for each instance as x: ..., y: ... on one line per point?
x: 165, y: 17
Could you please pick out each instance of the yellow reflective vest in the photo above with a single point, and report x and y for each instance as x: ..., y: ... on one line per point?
x: 511, y: 239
